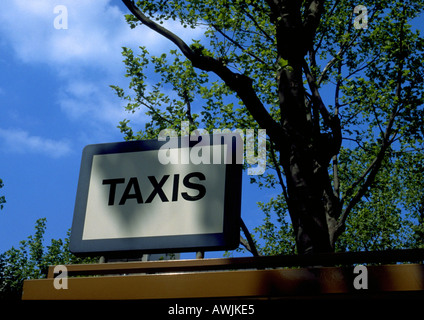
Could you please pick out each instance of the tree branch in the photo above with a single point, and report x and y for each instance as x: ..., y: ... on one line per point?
x: 333, y: 122
x: 314, y: 10
x: 158, y: 28
x: 156, y: 112
x: 274, y: 6
x: 370, y: 173
x: 316, y: 97
x: 323, y: 32
x: 238, y: 45
x: 338, y: 56
x: 279, y: 174
x: 267, y: 36
x: 387, y: 140
x: 336, y: 179
x: 188, y: 104
x: 250, y: 243
x: 239, y: 83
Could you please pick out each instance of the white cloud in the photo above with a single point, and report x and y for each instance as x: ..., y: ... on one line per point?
x: 84, y: 99
x: 95, y: 33
x: 20, y: 141
x: 86, y: 56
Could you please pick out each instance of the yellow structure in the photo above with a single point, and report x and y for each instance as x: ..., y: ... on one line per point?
x: 256, y: 278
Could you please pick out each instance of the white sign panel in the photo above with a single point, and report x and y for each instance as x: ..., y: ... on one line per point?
x: 128, y: 200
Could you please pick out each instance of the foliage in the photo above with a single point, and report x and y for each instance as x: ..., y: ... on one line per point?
x: 2, y: 198
x: 277, y: 235
x: 343, y: 109
x: 31, y: 261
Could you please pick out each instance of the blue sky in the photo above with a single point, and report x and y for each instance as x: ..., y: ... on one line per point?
x: 55, y: 99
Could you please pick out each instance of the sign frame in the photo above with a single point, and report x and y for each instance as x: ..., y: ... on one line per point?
x: 229, y: 239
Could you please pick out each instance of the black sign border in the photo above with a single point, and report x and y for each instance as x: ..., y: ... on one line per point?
x: 229, y: 239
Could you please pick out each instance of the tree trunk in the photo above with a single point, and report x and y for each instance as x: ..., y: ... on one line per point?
x: 305, y: 155
x: 309, y: 208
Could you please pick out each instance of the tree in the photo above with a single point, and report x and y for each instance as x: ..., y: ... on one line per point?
x: 32, y: 259
x: 338, y: 88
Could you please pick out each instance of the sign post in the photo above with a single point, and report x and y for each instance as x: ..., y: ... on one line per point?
x: 159, y: 196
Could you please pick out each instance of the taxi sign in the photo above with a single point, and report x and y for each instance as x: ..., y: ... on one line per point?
x: 159, y: 196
